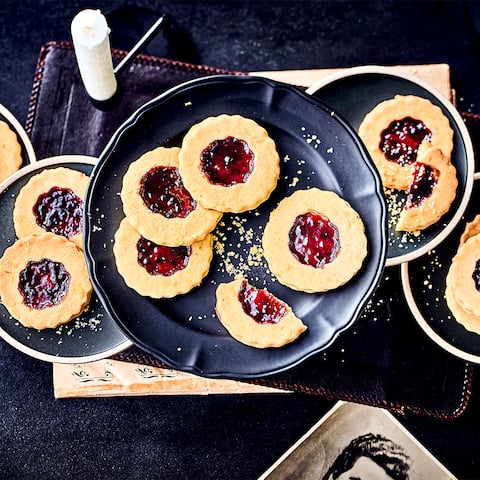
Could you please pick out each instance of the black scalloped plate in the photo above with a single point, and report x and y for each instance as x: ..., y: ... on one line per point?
x: 354, y: 92
x: 316, y: 148
x: 424, y: 286
x: 91, y: 336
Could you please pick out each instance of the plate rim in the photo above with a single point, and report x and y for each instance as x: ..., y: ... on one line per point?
x: 21, y: 132
x: 431, y: 333
x: 460, y: 124
x: 130, y: 122
x: 46, y: 357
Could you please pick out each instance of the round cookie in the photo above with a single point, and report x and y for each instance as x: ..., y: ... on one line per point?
x: 10, y: 151
x: 471, y: 228
x: 283, y: 326
x: 325, y: 229
x: 229, y: 163
x: 52, y: 201
x: 431, y: 192
x: 165, y: 271
x: 463, y: 276
x: 44, y: 281
x: 470, y: 321
x: 157, y: 204
x: 412, y: 114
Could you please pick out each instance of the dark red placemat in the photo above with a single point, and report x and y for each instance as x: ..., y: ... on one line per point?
x: 385, y: 359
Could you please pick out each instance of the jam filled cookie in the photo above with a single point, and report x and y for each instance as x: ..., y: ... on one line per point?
x: 431, y: 191
x: 314, y: 241
x: 229, y: 163
x: 395, y: 128
x: 10, y: 151
x: 160, y: 271
x: 463, y: 278
x: 52, y: 201
x: 44, y: 281
x: 157, y: 204
x: 256, y: 317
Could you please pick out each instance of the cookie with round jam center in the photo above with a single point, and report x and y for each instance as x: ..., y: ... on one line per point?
x: 160, y: 271
x: 328, y: 233
x: 157, y: 204
x: 229, y: 163
x: 52, y: 201
x: 44, y: 280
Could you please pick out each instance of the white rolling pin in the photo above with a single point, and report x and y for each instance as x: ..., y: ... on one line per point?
x: 90, y: 35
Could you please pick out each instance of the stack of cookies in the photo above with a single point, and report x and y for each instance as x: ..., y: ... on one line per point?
x: 44, y: 280
x: 411, y: 142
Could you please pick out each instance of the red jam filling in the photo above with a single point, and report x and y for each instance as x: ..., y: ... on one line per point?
x: 424, y: 181
x: 227, y: 162
x: 162, y: 191
x: 59, y: 211
x: 400, y: 140
x: 476, y: 275
x: 161, y: 259
x: 43, y: 283
x: 261, y: 305
x: 314, y: 240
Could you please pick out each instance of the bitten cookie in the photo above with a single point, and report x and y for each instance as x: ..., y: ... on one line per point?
x: 431, y: 191
x: 393, y: 131
x: 44, y: 281
x: 157, y: 204
x: 256, y: 317
x: 10, y: 151
x: 314, y: 241
x: 160, y: 271
x: 52, y: 201
x: 229, y: 163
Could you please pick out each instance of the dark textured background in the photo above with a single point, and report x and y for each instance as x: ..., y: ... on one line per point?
x: 217, y: 436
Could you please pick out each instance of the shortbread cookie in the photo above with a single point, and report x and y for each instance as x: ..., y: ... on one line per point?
x: 470, y: 321
x: 52, y: 201
x: 10, y: 151
x: 431, y: 192
x: 471, y: 228
x: 256, y: 317
x: 229, y: 163
x: 160, y: 271
x: 157, y: 204
x: 393, y: 131
x: 44, y: 281
x: 314, y: 241
x: 463, y: 278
